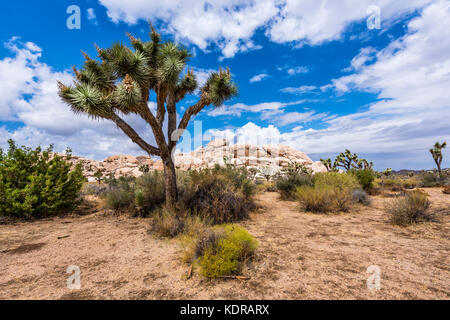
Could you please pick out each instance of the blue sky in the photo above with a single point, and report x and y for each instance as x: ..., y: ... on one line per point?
x: 311, y: 74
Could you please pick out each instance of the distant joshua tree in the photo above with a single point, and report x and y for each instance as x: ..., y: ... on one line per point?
x: 348, y: 161
x: 436, y: 152
x: 121, y: 83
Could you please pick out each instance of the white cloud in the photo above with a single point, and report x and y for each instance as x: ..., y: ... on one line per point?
x: 258, y: 77
x: 315, y: 22
x: 260, y: 108
x: 297, y: 70
x: 411, y: 77
x: 299, y: 90
x: 231, y: 24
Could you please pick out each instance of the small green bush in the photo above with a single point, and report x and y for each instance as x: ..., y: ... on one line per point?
x: 336, y: 180
x: 430, y: 180
x: 37, y: 183
x: 121, y: 195
x: 315, y: 199
x: 365, y: 178
x: 287, y: 184
x: 411, y: 208
x: 324, y: 199
x: 225, y: 252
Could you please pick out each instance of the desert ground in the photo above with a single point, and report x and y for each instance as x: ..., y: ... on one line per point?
x: 300, y: 256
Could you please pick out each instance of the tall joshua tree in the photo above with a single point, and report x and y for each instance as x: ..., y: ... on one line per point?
x: 120, y: 81
x: 436, y: 152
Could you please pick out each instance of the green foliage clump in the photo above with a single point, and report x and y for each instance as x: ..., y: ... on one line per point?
x: 336, y: 180
x: 365, y: 178
x: 139, y: 195
x: 411, y: 208
x: 324, y: 199
x: 429, y: 180
x: 224, y: 252
x: 37, y: 183
x: 287, y: 184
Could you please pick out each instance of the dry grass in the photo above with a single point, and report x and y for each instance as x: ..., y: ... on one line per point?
x: 301, y: 256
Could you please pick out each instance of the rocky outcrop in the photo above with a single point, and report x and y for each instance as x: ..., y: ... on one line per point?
x: 268, y: 158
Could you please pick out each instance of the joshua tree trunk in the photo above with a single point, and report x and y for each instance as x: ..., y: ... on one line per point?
x: 170, y: 182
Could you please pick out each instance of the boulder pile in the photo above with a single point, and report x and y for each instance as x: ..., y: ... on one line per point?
x: 268, y: 158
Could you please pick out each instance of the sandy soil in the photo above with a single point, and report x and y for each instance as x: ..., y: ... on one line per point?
x: 301, y: 256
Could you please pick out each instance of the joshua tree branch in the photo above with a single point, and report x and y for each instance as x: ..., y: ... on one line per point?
x: 130, y: 132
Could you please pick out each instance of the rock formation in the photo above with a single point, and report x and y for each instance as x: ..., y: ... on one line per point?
x: 268, y: 158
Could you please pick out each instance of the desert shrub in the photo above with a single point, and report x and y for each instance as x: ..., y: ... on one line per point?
x: 216, y: 197
x: 36, y: 183
x: 150, y: 193
x: 224, y: 251
x: 315, y: 199
x: 365, y: 178
x: 287, y: 184
x: 324, y: 198
x: 93, y: 189
x: 121, y: 195
x: 360, y: 196
x: 389, y: 182
x: 167, y: 223
x: 336, y: 180
x: 410, y: 183
x: 139, y: 196
x: 429, y: 179
x: 341, y: 199
x: 411, y: 208
x: 239, y: 177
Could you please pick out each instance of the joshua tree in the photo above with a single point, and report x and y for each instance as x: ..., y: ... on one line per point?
x: 345, y: 160
x: 121, y: 81
x: 436, y: 152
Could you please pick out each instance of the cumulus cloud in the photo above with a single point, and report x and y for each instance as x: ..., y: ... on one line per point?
x: 411, y: 77
x: 231, y: 24
x: 258, y: 77
x: 261, y: 108
x: 299, y: 90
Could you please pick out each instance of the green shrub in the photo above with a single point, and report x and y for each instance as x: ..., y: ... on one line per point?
x: 121, y: 195
x: 287, y: 184
x: 37, y: 183
x: 430, y: 179
x: 138, y: 195
x: 411, y: 208
x: 224, y: 252
x: 365, y: 178
x: 336, y: 180
x: 315, y: 199
x: 324, y: 199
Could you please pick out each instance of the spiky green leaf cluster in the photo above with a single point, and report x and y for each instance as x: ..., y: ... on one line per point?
x: 220, y: 88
